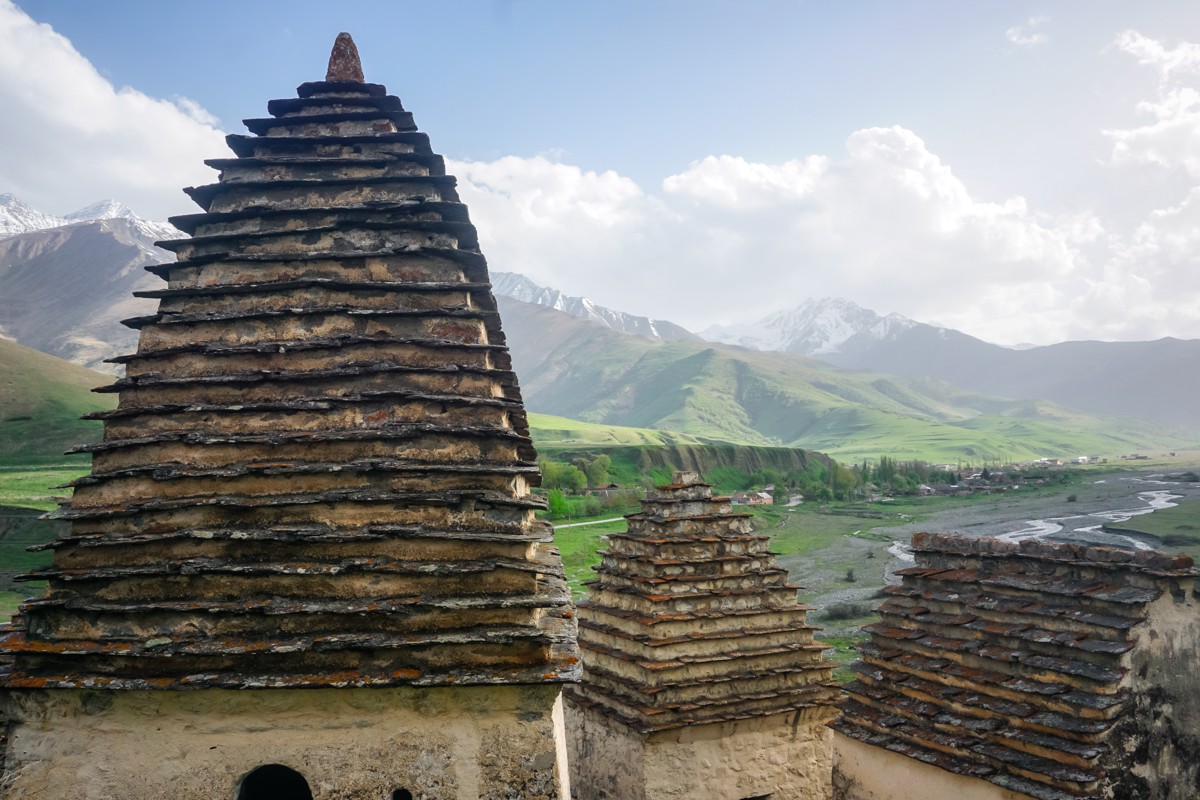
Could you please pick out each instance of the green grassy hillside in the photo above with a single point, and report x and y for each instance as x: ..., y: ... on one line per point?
x: 41, y: 400
x: 583, y: 371
x: 559, y: 432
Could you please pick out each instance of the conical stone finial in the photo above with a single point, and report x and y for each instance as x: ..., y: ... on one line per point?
x: 344, y: 64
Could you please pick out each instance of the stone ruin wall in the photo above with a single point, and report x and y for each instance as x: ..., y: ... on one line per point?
x: 1031, y: 670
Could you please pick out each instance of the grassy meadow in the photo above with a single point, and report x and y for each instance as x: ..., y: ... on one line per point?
x: 1177, y: 527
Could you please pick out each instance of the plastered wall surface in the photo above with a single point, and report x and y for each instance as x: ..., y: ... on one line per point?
x: 786, y: 756
x: 482, y: 743
x: 863, y: 772
x: 1159, y: 756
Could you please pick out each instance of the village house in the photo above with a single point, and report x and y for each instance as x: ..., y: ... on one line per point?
x: 760, y: 499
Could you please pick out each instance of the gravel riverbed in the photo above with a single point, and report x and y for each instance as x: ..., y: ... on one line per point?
x: 1111, y: 497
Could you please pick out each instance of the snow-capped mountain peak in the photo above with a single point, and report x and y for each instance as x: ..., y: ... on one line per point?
x: 816, y: 327
x: 518, y: 287
x: 17, y: 218
x: 105, y: 209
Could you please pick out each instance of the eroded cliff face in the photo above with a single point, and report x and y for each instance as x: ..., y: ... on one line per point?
x: 1051, y: 670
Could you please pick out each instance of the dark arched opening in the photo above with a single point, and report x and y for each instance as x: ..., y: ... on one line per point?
x: 402, y: 794
x: 274, y: 782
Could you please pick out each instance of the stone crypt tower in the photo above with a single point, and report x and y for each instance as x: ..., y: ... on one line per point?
x: 701, y: 675
x: 305, y: 562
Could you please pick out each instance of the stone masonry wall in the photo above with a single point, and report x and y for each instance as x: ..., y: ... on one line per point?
x: 782, y: 756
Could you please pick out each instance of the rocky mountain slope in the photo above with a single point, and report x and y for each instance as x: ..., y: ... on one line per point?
x: 518, y: 287
x: 66, y: 282
x: 64, y: 290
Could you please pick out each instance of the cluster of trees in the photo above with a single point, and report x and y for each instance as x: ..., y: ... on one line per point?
x: 577, y: 475
x: 564, y: 481
x: 821, y: 481
x: 816, y: 482
x: 561, y: 506
x: 902, y: 477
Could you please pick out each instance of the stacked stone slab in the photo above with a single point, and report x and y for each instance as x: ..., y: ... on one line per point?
x: 1036, y: 669
x: 698, y: 662
x: 319, y: 470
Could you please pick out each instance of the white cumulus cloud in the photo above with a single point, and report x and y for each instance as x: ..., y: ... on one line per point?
x: 70, y: 137
x: 887, y: 224
x: 1183, y: 58
x: 884, y: 221
x: 1170, y: 138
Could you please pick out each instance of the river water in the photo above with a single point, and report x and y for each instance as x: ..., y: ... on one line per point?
x: 1014, y: 518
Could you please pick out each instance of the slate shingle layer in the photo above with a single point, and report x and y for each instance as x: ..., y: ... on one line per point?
x: 318, y: 472
x: 1006, y: 661
x: 691, y: 621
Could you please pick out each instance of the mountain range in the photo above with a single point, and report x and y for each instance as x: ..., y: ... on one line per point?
x: 66, y: 282
x: 571, y: 368
x: 1154, y: 380
x: 880, y: 382
x: 518, y: 287
x: 17, y: 218
x: 1157, y: 381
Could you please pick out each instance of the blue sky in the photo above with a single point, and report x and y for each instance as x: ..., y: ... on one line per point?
x: 1015, y: 169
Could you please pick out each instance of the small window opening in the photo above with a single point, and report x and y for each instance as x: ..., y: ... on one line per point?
x: 758, y: 797
x: 402, y: 794
x: 274, y: 782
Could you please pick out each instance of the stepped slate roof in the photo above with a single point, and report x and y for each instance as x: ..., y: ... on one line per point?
x: 1009, y: 662
x: 318, y: 472
x: 691, y: 621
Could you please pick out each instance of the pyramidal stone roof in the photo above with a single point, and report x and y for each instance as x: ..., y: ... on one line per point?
x: 1014, y: 663
x: 319, y: 470
x: 691, y: 621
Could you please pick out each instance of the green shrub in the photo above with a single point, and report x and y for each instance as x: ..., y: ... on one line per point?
x: 840, y: 611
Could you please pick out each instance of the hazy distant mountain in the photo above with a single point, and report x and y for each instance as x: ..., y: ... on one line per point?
x: 518, y: 287
x: 815, y: 328
x: 1156, y: 381
x: 581, y: 371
